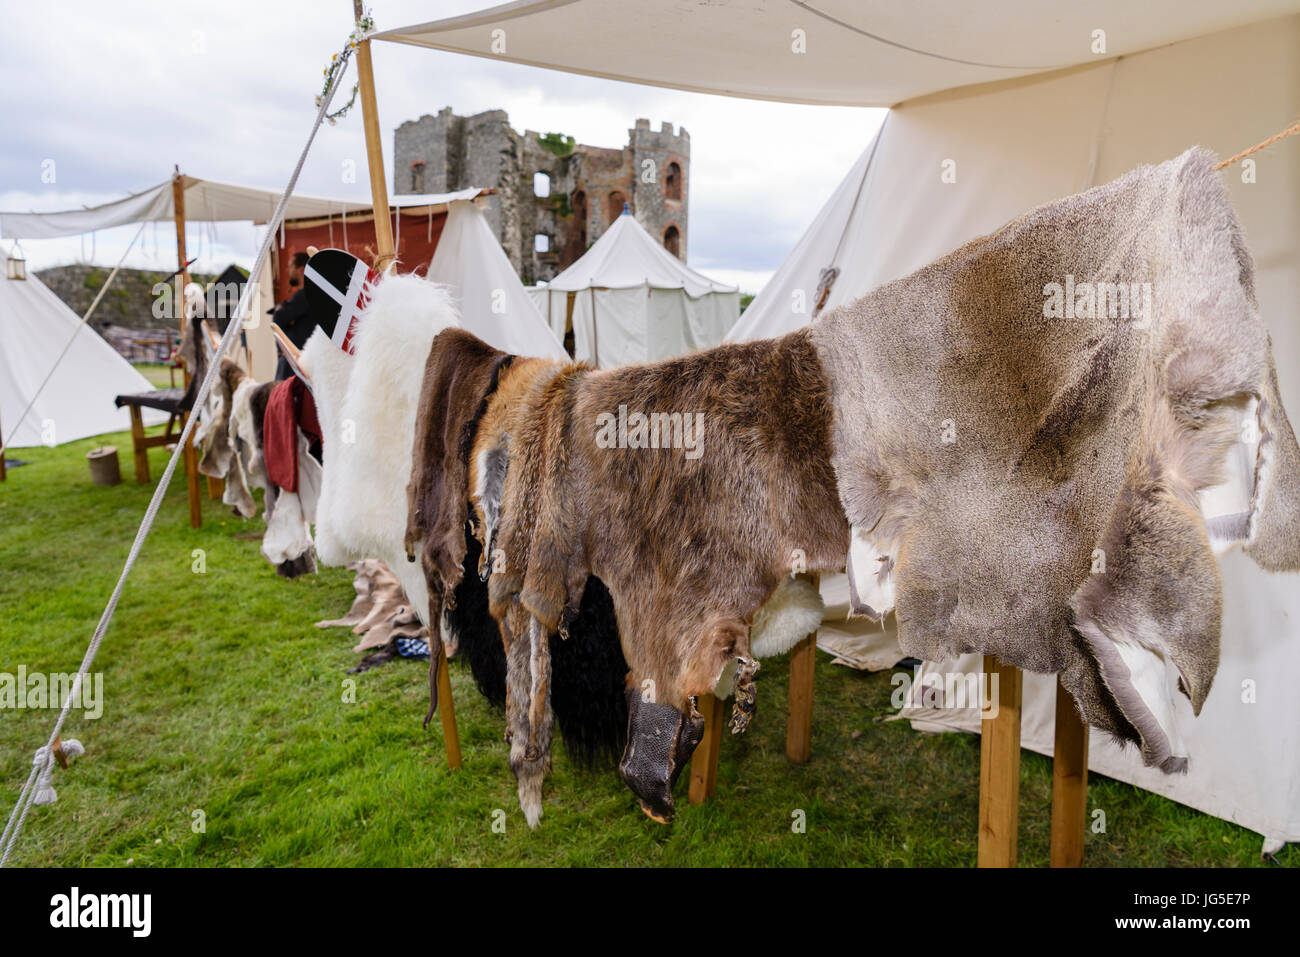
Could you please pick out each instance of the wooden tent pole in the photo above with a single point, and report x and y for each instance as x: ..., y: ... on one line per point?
x: 189, y: 455
x: 386, y: 253
x: 384, y: 248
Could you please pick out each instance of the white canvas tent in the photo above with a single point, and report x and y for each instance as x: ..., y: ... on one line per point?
x: 1051, y: 115
x: 493, y: 302
x: 77, y: 402
x: 634, y: 301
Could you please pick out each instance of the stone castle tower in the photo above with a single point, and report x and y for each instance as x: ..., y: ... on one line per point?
x: 583, y: 188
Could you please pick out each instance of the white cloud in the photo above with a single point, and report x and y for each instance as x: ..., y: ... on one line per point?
x: 117, y: 94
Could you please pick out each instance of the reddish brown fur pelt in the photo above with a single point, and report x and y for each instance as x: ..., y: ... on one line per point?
x: 460, y: 374
x: 688, y: 547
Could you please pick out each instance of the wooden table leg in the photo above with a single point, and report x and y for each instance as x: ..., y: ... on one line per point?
x: 1069, y: 783
x: 799, y: 705
x: 447, y: 712
x: 139, y: 450
x: 1000, y: 769
x: 704, y: 763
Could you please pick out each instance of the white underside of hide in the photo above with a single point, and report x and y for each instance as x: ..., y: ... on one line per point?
x: 1138, y: 677
x: 870, y: 572
x: 1226, y: 507
x: 791, y: 613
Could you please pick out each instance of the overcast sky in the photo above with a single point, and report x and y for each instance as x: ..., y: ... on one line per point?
x: 116, y: 93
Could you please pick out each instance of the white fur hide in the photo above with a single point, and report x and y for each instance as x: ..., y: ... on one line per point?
x: 370, y: 429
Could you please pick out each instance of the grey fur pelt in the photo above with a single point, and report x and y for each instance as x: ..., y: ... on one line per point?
x: 1026, y: 479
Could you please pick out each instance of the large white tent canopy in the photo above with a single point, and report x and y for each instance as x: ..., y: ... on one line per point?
x: 857, y: 52
x: 630, y: 300
x: 205, y: 201
x: 35, y: 326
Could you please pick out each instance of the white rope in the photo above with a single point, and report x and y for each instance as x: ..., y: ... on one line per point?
x: 81, y: 325
x: 19, y: 814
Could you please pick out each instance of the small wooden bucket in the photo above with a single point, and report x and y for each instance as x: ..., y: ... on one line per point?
x: 104, y: 468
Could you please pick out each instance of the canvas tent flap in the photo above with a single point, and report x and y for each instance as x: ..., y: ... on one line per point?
x: 206, y: 201
x: 853, y: 53
x: 493, y: 302
x: 77, y: 402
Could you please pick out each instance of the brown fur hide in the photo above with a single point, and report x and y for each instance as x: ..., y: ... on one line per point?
x: 689, y: 546
x: 460, y: 374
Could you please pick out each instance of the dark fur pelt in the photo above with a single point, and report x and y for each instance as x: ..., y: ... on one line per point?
x: 477, y: 635
x: 304, y: 564
x: 589, y: 680
x: 587, y: 694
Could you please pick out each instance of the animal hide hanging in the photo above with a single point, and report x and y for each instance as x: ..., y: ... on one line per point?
x: 688, y: 545
x: 366, y: 404
x: 468, y: 389
x: 1035, y: 441
x: 460, y: 375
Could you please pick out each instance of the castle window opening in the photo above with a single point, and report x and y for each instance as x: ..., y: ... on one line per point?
x: 673, y: 241
x: 541, y: 243
x: 580, y: 215
x: 541, y: 185
x: 417, y: 176
x: 673, y: 182
x: 616, y: 203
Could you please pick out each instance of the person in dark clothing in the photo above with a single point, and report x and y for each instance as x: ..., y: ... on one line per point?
x: 293, y: 316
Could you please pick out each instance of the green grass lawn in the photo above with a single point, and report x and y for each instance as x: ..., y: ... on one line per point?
x: 221, y: 697
x: 158, y: 374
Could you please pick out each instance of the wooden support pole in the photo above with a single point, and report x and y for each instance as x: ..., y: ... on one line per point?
x: 1069, y: 783
x: 3, y: 474
x: 447, y: 712
x: 704, y: 763
x: 138, y: 447
x: 999, y: 814
x: 188, y: 454
x: 799, y: 705
x: 384, y: 249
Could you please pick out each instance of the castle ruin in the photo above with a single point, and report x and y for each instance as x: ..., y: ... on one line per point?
x: 582, y: 188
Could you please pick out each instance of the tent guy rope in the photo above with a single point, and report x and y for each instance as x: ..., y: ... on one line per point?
x: 41, y: 762
x: 1289, y: 131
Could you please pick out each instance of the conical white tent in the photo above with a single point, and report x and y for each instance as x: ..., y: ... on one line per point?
x: 947, y: 168
x: 634, y: 301
x: 77, y: 402
x: 494, y: 305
